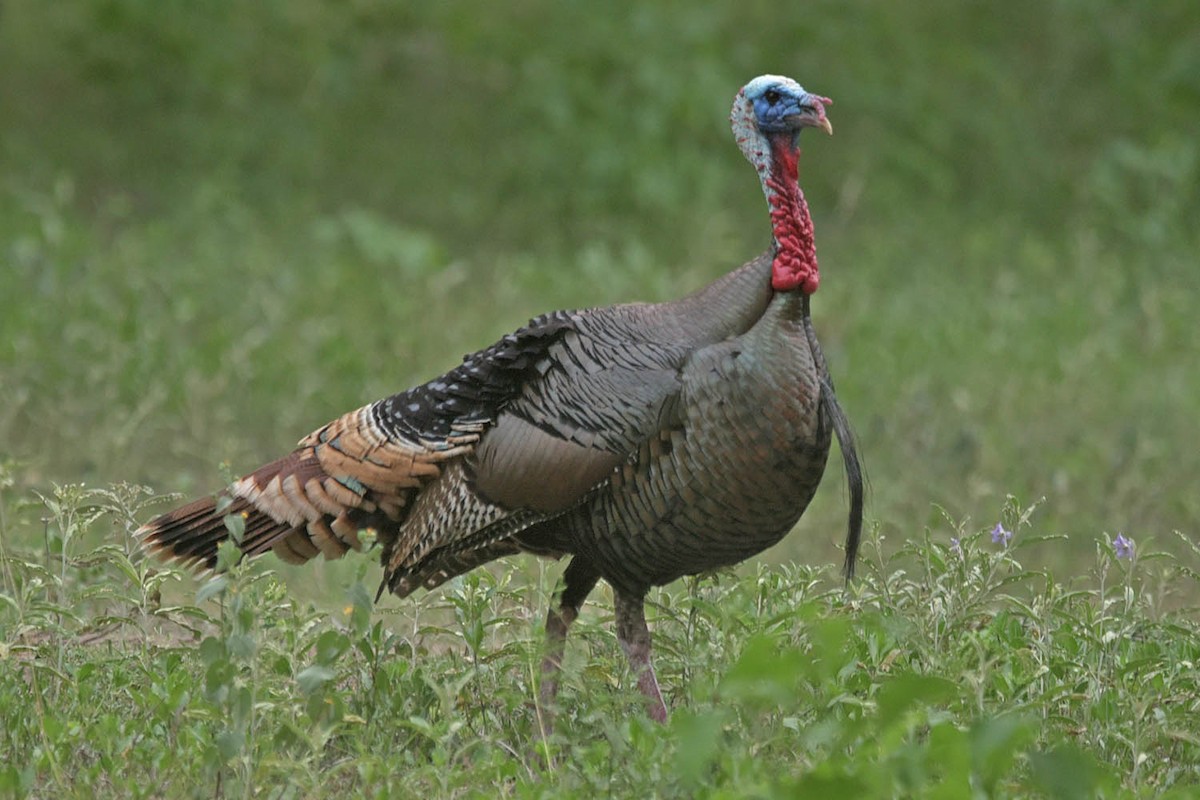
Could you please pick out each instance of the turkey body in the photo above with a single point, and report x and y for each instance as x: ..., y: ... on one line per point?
x: 658, y: 441
x: 726, y: 475
x: 646, y: 441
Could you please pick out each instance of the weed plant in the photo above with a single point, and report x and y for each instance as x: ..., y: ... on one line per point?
x: 947, y: 669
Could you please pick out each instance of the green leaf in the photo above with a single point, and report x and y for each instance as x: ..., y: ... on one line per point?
x: 10, y: 781
x: 697, y: 740
x: 830, y: 648
x: 241, y: 646
x: 218, y: 681
x: 361, y: 606
x: 313, y: 678
x: 214, y: 587
x: 421, y: 725
x: 212, y: 650
x: 906, y: 690
x: 8, y: 599
x: 995, y: 744
x: 230, y: 743
x: 825, y: 782
x: 1065, y: 773
x: 241, y: 705
x: 236, y: 525
x: 762, y: 674
x: 228, y: 555
x: 950, y: 751
x: 330, y: 645
x: 126, y: 566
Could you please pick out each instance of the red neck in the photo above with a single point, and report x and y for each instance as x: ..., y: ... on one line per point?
x: 795, y: 264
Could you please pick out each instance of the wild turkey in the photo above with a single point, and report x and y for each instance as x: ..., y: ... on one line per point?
x: 647, y: 441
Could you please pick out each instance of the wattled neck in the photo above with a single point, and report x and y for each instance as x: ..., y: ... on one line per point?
x: 795, y: 261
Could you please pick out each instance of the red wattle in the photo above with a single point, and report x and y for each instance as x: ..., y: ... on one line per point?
x: 795, y: 264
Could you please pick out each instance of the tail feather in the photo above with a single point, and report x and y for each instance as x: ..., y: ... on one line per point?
x: 261, y: 533
x: 295, y: 547
x: 846, y: 443
x: 193, y: 533
x: 347, y: 476
x: 854, y: 474
x: 279, y: 515
x: 180, y: 529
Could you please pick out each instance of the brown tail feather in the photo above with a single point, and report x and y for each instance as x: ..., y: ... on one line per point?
x: 193, y: 533
x: 347, y: 476
x: 274, y: 512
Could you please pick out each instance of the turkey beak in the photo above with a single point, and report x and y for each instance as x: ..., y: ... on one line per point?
x: 812, y: 114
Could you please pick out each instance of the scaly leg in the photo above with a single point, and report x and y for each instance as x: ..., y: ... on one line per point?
x: 634, y: 637
x: 578, y: 580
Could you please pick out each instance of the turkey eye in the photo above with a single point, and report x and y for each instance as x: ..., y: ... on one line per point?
x: 771, y: 96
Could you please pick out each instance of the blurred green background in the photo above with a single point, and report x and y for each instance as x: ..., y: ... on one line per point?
x: 222, y: 224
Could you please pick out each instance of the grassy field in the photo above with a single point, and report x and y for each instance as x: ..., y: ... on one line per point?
x: 947, y: 670
x: 222, y: 225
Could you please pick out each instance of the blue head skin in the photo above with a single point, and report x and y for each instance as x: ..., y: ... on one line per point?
x: 782, y: 106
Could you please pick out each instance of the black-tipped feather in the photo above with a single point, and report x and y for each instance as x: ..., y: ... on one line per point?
x: 846, y: 443
x: 854, y: 474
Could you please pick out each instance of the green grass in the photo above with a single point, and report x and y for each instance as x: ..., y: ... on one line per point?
x: 221, y: 226
x: 942, y: 672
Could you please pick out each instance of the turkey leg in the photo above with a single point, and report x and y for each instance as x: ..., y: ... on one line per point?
x: 578, y: 580
x: 634, y: 637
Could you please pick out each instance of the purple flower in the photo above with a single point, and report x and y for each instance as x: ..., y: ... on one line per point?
x: 955, y: 546
x: 1001, y: 535
x: 1124, y: 546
